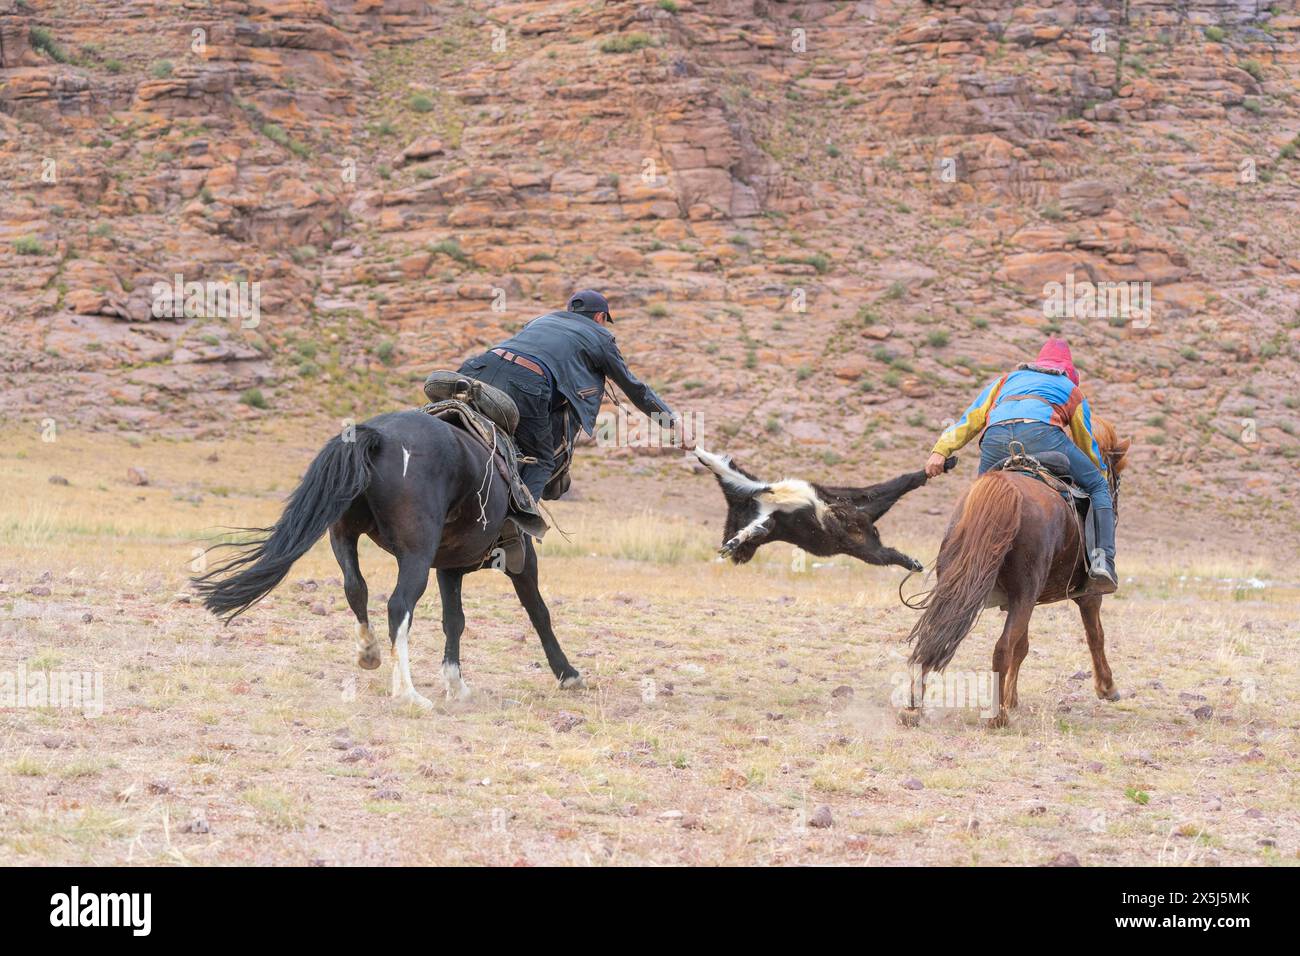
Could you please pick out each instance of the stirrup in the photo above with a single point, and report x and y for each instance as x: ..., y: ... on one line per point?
x: 510, y: 544
x: 1102, y: 579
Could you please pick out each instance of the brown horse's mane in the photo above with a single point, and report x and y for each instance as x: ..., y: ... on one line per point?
x: 1113, y: 450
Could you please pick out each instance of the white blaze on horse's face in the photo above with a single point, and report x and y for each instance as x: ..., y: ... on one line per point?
x: 406, y: 459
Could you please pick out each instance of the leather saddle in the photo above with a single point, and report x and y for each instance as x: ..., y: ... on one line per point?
x: 486, y: 399
x: 488, y: 415
x: 1053, y: 469
x: 1056, y: 463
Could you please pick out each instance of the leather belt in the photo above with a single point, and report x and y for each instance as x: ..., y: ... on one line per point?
x: 520, y: 360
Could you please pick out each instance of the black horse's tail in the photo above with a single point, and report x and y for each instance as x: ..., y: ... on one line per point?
x: 339, y: 474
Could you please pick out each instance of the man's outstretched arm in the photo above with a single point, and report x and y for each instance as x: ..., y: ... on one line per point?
x: 967, y: 427
x: 642, y: 395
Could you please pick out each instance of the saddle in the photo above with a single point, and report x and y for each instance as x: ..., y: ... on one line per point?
x: 486, y: 399
x: 470, y: 406
x: 1052, y: 468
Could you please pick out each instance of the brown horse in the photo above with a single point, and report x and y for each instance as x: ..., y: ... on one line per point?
x: 1012, y: 542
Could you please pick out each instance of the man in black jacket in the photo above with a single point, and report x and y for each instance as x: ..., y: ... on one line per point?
x: 558, y: 358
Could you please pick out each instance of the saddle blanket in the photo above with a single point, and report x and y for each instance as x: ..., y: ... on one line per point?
x: 523, y: 509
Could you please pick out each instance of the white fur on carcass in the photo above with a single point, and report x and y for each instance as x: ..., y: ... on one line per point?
x: 788, y: 494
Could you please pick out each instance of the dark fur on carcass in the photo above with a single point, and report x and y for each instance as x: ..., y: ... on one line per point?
x: 847, y: 525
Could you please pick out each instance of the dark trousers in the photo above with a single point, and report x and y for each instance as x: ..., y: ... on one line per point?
x: 532, y: 393
x: 1040, y: 436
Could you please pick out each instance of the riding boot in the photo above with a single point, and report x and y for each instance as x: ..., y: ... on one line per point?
x: 1101, y: 563
x: 511, y: 547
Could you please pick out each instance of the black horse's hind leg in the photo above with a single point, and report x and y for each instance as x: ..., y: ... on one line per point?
x: 343, y: 539
x: 412, y: 579
x: 453, y: 625
x: 530, y: 596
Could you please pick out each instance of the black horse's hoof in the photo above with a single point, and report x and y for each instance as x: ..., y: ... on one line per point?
x: 369, y: 660
x: 573, y: 682
x: 915, y: 565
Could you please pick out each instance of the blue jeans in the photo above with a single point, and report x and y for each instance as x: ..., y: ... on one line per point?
x: 532, y: 395
x: 1040, y: 436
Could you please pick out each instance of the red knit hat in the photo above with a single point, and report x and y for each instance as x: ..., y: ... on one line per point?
x: 1056, y: 354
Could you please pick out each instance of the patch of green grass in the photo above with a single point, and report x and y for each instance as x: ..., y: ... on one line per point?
x: 28, y: 246
x: 818, y: 260
x: 42, y: 40
x: 25, y: 766
x: 275, y: 134
x: 385, y: 351
x: 275, y: 808
x: 161, y: 70
x: 420, y: 103
x: 449, y: 247
x: 937, y: 339
x: 253, y: 398
x: 1214, y: 34
x: 626, y: 43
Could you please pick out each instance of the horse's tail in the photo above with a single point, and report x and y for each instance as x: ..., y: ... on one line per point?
x: 969, y: 559
x: 340, y: 472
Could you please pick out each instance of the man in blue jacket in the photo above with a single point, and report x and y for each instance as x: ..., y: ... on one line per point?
x: 560, y: 361
x: 1040, y: 407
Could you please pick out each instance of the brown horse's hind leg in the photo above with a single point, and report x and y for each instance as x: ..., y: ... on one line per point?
x: 1009, y: 651
x: 1090, y: 611
x: 1018, y: 658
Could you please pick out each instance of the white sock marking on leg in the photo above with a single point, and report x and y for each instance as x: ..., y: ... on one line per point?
x: 456, y: 686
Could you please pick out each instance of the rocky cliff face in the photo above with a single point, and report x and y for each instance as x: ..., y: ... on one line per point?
x: 824, y: 224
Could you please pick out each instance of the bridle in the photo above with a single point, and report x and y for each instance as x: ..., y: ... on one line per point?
x: 1115, y: 477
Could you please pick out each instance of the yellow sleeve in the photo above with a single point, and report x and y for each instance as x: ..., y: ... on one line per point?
x: 1081, y: 434
x: 968, y: 426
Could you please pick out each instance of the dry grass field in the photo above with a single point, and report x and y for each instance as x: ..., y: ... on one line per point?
x: 735, y: 715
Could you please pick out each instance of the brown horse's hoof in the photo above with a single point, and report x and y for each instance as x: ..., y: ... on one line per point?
x: 1112, y: 694
x: 1000, y: 721
x: 369, y: 660
x: 910, y: 717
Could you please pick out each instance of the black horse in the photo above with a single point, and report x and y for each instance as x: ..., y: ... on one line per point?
x: 425, y: 492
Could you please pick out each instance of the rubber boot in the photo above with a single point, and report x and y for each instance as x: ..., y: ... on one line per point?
x: 511, y: 547
x: 1101, y: 564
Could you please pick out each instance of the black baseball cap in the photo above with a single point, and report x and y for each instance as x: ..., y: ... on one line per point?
x: 588, y: 302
